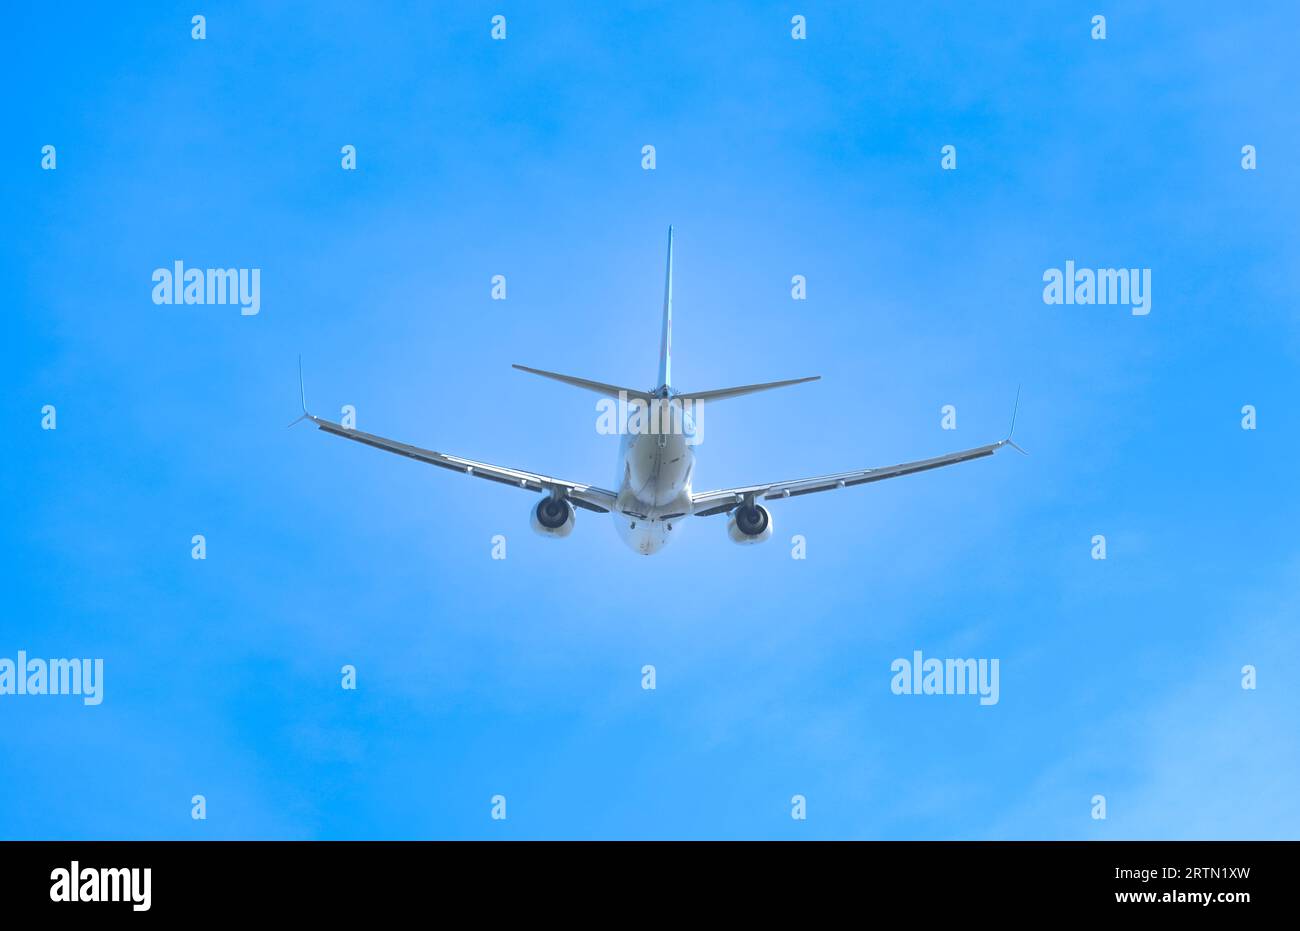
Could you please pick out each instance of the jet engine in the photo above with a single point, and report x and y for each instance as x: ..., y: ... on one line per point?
x: 553, y: 517
x: 750, y: 524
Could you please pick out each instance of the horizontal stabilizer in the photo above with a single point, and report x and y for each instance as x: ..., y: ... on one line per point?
x: 600, y: 387
x: 723, y: 393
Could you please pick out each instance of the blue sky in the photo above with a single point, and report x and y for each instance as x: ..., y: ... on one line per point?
x: 522, y: 677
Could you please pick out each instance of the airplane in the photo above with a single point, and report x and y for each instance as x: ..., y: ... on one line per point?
x: 656, y: 466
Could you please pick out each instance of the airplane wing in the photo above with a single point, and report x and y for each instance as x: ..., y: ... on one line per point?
x: 582, y: 495
x: 726, y: 499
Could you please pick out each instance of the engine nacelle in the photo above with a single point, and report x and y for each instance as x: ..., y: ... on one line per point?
x: 553, y: 517
x: 750, y: 524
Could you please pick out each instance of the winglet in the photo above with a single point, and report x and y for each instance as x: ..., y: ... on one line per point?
x: 1015, y: 408
x: 302, y: 395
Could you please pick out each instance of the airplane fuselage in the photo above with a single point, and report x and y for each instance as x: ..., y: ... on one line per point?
x: 654, y: 484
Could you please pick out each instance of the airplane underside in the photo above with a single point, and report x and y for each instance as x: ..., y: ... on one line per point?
x: 654, y: 491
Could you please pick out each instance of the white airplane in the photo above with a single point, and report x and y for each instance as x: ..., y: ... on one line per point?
x: 656, y: 466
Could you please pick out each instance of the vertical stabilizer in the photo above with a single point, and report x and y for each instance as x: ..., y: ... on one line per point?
x: 666, y: 338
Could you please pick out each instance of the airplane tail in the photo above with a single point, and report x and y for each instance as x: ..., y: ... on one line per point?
x: 665, y: 363
x: 666, y: 337
x: 599, y: 387
x: 723, y: 393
